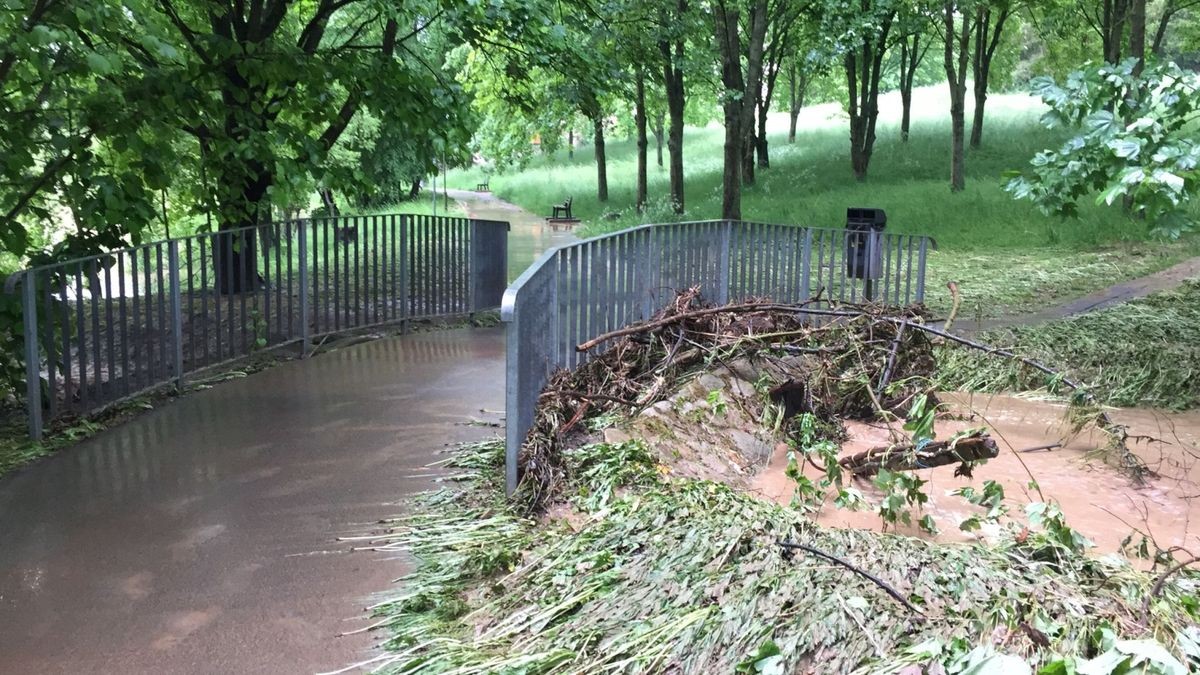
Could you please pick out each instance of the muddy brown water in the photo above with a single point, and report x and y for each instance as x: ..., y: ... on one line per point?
x: 1096, y: 499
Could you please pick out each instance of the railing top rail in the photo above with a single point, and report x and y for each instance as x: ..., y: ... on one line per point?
x: 509, y: 302
x: 14, y: 278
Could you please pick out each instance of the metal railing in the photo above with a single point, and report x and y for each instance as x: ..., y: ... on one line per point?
x: 576, y: 292
x: 106, y: 327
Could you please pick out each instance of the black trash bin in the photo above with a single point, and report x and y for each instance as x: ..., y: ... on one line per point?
x: 864, y: 249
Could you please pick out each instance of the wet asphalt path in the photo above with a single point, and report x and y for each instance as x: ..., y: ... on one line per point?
x: 199, y: 538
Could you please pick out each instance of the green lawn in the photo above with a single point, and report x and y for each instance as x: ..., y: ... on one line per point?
x: 1006, y: 256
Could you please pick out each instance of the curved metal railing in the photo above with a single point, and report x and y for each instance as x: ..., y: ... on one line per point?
x: 106, y: 327
x: 579, y: 291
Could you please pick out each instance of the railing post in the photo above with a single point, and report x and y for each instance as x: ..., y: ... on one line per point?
x: 723, y: 264
x: 33, y: 371
x: 921, y: 250
x: 806, y: 266
x: 176, y: 310
x: 472, y: 268
x: 405, y: 245
x: 648, y: 267
x: 302, y: 236
x: 512, y: 396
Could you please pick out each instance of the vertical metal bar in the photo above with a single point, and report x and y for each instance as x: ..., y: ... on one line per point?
x: 123, y: 322
x: 51, y: 349
x: 81, y: 354
x: 111, y: 346
x: 97, y: 362
x: 359, y: 273
x: 908, y: 273
x: 264, y: 249
x: 244, y: 285
x: 176, y: 310
x: 191, y: 289
x: 302, y: 236
x: 33, y: 375
x: 162, y: 311
x: 68, y: 371
x: 806, y: 266
x: 405, y: 247
x: 921, y: 253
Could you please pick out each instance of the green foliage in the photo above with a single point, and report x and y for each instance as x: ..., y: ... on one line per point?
x: 688, y: 573
x: 1134, y: 140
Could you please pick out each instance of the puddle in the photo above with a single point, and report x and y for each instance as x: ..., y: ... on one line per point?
x: 1095, y: 498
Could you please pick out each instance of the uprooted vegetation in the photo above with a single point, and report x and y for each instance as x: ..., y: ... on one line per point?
x: 634, y: 545
x: 1142, y: 352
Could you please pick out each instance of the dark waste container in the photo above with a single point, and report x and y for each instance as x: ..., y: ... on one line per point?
x: 864, y: 249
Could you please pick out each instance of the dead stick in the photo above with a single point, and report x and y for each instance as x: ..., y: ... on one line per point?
x: 1162, y: 580
x: 592, y: 397
x: 863, y: 573
x: 1042, y: 447
x: 666, y: 321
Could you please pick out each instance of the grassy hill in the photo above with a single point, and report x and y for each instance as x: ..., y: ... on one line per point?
x: 1005, y: 254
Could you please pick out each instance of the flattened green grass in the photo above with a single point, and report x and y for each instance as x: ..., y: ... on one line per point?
x: 1144, y: 352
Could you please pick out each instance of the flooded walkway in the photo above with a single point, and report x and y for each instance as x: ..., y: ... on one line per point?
x: 200, y: 537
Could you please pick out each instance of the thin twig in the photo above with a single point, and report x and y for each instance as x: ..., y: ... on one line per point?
x: 1162, y: 580
x: 863, y: 573
x: 676, y: 318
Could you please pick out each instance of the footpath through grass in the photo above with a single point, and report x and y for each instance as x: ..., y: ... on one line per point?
x: 1006, y: 256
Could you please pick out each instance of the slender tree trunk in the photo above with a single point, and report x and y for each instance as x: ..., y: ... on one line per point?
x: 910, y: 58
x: 1137, y: 34
x: 571, y: 143
x: 957, y: 44
x: 672, y: 54
x: 752, y: 95
x: 796, y: 101
x: 1112, y: 29
x: 601, y: 160
x: 864, y: 66
x: 760, y: 137
x: 659, y: 122
x: 989, y: 27
x: 639, y: 118
x: 1160, y: 33
x: 725, y: 22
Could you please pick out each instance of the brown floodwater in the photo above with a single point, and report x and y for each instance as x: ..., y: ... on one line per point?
x: 1096, y: 499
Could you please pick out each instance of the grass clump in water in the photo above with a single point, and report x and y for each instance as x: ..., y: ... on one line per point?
x: 1144, y: 352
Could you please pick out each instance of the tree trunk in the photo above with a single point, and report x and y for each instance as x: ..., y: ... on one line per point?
x: 1112, y: 28
x: 639, y: 118
x: 571, y: 143
x: 910, y: 58
x: 752, y: 94
x: 601, y: 160
x: 955, y: 59
x: 796, y: 101
x: 863, y: 69
x: 1137, y: 34
x: 764, y: 159
x: 659, y: 122
x: 672, y: 54
x: 987, y: 40
x: 725, y: 23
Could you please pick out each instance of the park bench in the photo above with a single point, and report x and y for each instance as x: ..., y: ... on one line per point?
x: 483, y: 187
x: 563, y: 210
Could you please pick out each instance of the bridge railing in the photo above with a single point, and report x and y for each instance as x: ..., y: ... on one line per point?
x: 103, y: 328
x: 579, y: 291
